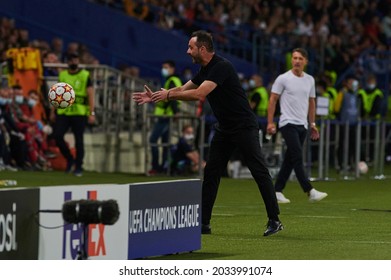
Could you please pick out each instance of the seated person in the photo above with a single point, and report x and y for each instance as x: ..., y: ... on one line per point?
x: 185, y: 159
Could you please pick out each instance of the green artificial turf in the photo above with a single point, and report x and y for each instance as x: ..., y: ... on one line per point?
x: 353, y: 222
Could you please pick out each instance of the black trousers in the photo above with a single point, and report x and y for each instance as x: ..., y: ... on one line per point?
x: 222, y: 146
x: 77, y: 124
x: 294, y: 136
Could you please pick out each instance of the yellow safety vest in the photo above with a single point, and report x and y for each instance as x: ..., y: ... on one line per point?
x: 163, y: 108
x: 261, y: 109
x: 79, y: 83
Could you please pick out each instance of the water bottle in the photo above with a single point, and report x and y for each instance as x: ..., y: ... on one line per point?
x: 8, y: 183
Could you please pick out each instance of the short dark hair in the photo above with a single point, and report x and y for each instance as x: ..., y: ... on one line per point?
x: 171, y: 63
x: 204, y: 39
x: 302, y: 51
x: 72, y: 55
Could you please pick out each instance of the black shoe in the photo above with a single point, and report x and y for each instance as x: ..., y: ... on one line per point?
x: 273, y: 227
x: 69, y: 167
x: 206, y: 229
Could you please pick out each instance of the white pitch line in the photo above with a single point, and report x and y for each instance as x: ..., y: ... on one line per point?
x: 227, y: 215
x: 322, y: 217
x: 368, y: 242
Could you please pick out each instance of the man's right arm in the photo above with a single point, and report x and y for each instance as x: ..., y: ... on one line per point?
x: 271, y: 126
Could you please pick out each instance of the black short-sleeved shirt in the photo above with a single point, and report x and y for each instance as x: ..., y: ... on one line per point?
x: 228, y: 100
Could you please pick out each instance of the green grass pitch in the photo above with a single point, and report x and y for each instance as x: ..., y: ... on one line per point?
x: 353, y: 222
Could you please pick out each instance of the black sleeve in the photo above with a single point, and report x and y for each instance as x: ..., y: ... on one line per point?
x: 219, y: 72
x: 89, y: 81
x: 376, y: 108
x: 256, y: 98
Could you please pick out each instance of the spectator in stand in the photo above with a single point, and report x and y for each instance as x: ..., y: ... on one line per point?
x: 259, y: 100
x: 185, y: 158
x: 347, y: 107
x: 187, y: 74
x: 30, y: 127
x: 138, y: 9
x: 17, y: 144
x: 5, y: 153
x: 51, y: 57
x: 57, y: 47
x: 163, y: 111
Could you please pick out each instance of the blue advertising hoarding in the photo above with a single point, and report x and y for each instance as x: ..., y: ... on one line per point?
x: 164, y: 218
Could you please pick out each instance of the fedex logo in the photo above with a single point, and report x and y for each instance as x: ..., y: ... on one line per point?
x: 73, y: 237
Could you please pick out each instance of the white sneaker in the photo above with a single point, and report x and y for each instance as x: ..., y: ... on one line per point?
x: 281, y: 198
x: 316, y: 195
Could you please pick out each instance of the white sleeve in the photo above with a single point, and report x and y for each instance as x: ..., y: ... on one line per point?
x: 278, y: 85
x: 312, y: 90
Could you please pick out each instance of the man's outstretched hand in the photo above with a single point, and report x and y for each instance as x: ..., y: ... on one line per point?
x: 143, y: 97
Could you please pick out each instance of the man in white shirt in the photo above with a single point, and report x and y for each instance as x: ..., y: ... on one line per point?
x: 296, y: 91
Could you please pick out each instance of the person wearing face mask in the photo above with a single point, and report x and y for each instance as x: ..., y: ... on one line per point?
x: 259, y: 101
x: 347, y: 108
x: 187, y: 74
x: 76, y: 116
x: 163, y: 109
x: 371, y: 99
x: 185, y: 158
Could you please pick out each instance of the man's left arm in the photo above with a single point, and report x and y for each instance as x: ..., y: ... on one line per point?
x: 192, y: 94
x: 311, y: 118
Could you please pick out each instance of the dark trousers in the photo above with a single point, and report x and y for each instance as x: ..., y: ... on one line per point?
x: 160, y: 130
x: 294, y: 136
x: 77, y: 124
x: 222, y: 146
x: 351, y: 151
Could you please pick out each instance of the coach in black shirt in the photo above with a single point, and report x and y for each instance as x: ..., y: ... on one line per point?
x: 237, y: 125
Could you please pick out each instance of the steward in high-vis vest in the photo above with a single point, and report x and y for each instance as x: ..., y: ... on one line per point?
x: 372, y: 98
x: 331, y: 93
x: 75, y: 116
x: 258, y: 97
x: 259, y: 101
x: 168, y: 108
x: 161, y: 127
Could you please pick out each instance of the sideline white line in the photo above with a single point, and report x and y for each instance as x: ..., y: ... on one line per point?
x: 322, y: 217
x: 368, y: 242
x: 227, y: 215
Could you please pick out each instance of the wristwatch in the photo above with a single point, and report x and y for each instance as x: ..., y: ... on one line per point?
x: 92, y: 113
x: 313, y: 124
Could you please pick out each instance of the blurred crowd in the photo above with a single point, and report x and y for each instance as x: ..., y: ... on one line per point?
x: 25, y: 129
x: 51, y: 52
x: 343, y: 29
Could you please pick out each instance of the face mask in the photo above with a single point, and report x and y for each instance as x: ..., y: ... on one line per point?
x: 371, y: 86
x: 19, y: 99
x: 32, y: 102
x: 188, y: 77
x: 3, y: 101
x: 73, y: 66
x: 165, y: 72
x: 245, y: 86
x: 252, y: 83
x: 188, y: 137
x: 355, y: 85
